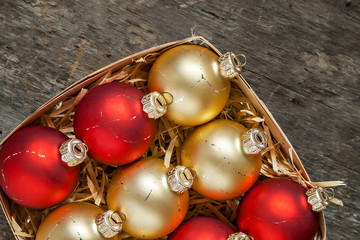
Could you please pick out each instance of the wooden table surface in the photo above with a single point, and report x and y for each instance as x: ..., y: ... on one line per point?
x: 303, y: 62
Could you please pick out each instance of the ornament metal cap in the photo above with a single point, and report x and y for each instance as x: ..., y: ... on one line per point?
x: 231, y: 65
x: 154, y: 104
x: 254, y: 141
x: 73, y: 152
x: 239, y: 236
x: 180, y: 178
x: 319, y: 198
x: 109, y: 223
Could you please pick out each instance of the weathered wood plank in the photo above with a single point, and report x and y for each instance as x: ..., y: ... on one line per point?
x: 303, y: 62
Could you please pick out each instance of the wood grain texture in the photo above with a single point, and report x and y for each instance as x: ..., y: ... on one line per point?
x: 303, y: 62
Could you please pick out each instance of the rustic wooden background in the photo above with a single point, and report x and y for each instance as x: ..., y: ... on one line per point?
x: 303, y: 62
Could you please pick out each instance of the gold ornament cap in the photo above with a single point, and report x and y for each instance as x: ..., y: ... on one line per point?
x: 109, y: 223
x: 154, y: 104
x: 319, y: 198
x: 239, y: 236
x: 254, y: 141
x: 73, y: 152
x: 231, y: 65
x: 180, y: 178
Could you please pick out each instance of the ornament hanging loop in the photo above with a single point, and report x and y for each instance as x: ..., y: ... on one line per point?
x: 73, y: 152
x: 180, y: 178
x: 188, y: 174
x: 254, y: 141
x: 154, y: 104
x: 319, y: 198
x: 239, y: 236
x: 109, y: 223
x: 238, y: 62
x: 231, y: 65
x: 163, y: 94
x: 332, y: 196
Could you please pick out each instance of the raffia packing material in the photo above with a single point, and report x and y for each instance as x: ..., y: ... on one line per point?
x: 279, y: 160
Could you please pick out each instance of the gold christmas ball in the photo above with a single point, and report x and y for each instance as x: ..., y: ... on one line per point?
x: 140, y: 190
x: 226, y: 165
x: 71, y: 221
x: 190, y: 78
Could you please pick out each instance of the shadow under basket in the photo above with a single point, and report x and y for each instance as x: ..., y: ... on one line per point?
x: 279, y: 160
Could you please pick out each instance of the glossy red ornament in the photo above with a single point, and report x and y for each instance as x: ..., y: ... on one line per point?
x: 110, y: 120
x: 202, y: 228
x: 277, y: 209
x: 32, y: 172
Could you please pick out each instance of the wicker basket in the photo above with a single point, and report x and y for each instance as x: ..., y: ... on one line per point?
x: 279, y: 159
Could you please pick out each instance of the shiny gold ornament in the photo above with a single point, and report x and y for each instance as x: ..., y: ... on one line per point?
x: 140, y: 190
x: 196, y: 86
x: 72, y: 221
x: 225, y: 168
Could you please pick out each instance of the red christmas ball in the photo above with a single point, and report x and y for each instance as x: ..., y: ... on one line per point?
x: 110, y: 120
x: 32, y: 172
x: 202, y: 228
x: 277, y: 209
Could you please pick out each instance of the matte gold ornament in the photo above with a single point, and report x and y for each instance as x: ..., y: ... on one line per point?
x: 141, y: 191
x: 73, y: 221
x: 225, y: 167
x: 196, y: 85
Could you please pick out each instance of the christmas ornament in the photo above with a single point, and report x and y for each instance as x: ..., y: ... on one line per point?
x: 193, y: 83
x: 277, y: 209
x: 226, y: 158
x: 111, y: 121
x: 141, y: 191
x: 80, y: 220
x: 201, y: 228
x: 38, y: 166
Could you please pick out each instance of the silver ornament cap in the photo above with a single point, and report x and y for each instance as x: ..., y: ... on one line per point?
x: 109, y: 223
x: 231, y: 65
x: 254, y: 141
x: 154, y: 104
x: 180, y: 178
x: 240, y: 236
x: 73, y: 152
x: 319, y: 198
